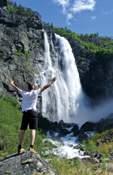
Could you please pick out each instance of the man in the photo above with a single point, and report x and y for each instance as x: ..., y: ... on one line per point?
x: 29, y: 102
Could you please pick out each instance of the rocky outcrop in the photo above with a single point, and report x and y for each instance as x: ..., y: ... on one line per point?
x: 25, y: 164
x: 61, y: 128
x: 100, y: 126
x: 21, y: 47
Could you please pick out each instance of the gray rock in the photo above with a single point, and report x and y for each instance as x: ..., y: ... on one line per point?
x: 20, y: 46
x: 25, y: 164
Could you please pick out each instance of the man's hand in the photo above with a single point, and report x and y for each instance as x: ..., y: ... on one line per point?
x: 15, y: 86
x: 53, y: 79
x: 12, y: 82
x: 48, y: 85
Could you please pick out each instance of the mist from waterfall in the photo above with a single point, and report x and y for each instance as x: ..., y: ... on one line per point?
x: 65, y: 99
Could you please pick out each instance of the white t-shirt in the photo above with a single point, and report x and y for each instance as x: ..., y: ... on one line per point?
x: 29, y: 99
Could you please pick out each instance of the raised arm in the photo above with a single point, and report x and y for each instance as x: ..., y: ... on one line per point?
x: 17, y: 88
x: 48, y: 85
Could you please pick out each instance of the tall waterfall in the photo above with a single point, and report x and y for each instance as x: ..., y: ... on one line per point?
x: 65, y: 100
x: 60, y: 102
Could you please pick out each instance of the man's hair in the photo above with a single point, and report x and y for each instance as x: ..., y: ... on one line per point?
x: 30, y: 86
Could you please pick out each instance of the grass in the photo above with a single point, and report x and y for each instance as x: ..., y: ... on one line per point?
x: 10, y: 118
x: 104, y: 147
x: 77, y: 167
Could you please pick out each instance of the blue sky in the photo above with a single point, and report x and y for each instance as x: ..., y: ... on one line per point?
x: 81, y: 16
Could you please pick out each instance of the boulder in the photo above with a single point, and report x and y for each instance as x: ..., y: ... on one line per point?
x: 88, y: 126
x: 25, y: 164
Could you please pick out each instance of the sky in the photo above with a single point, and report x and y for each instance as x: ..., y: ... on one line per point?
x: 80, y: 16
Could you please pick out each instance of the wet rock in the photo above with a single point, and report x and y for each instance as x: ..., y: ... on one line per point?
x: 44, y: 124
x: 88, y: 126
x: 105, y: 124
x: 61, y: 128
x: 91, y: 160
x: 94, y: 157
x: 75, y: 130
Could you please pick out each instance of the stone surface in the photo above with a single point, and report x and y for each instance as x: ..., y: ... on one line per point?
x: 20, y: 40
x: 25, y: 164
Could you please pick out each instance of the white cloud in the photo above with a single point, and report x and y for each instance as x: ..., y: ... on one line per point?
x: 69, y: 16
x: 63, y: 4
x: 71, y: 7
x: 82, y: 5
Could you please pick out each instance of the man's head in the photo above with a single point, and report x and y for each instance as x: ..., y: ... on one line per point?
x: 30, y: 86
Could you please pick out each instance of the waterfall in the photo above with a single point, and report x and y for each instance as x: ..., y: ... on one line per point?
x: 65, y: 92
x: 65, y: 99
x: 68, y: 77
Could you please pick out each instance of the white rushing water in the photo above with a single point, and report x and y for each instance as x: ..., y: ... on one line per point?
x: 65, y: 147
x: 65, y: 100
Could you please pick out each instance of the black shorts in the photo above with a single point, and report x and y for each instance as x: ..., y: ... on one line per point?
x: 30, y: 119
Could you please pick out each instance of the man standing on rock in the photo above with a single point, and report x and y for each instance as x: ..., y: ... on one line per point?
x: 29, y: 102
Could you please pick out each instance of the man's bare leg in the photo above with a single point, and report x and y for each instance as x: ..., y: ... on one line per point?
x: 33, y: 136
x: 21, y: 138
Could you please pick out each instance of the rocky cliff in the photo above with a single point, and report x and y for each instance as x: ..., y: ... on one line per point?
x: 21, y: 44
x: 22, y: 50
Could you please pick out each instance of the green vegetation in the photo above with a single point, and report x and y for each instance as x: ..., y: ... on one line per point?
x: 92, y: 42
x: 76, y: 167
x: 10, y: 117
x: 12, y: 8
x: 100, y: 142
x: 25, y: 54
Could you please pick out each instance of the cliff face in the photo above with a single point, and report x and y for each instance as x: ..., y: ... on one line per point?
x: 22, y: 50
x: 95, y: 69
x: 21, y: 44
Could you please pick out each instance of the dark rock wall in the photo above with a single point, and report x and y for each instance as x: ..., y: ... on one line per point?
x: 96, y: 71
x: 21, y: 47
